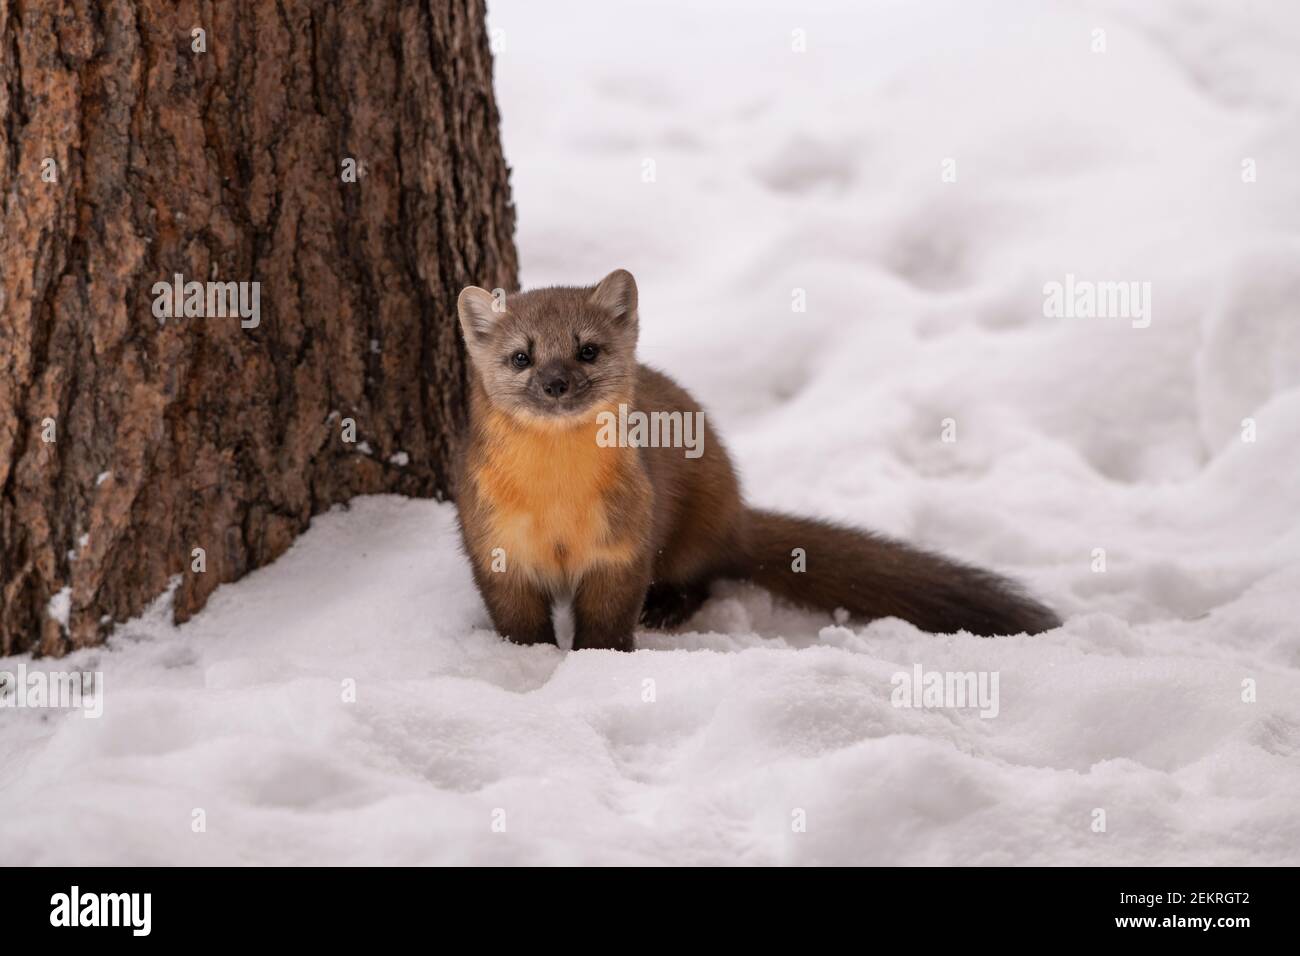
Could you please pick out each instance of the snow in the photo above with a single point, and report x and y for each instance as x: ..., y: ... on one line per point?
x: 350, y: 703
x: 60, y: 606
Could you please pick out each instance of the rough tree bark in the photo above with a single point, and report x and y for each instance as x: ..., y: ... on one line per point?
x: 127, y: 156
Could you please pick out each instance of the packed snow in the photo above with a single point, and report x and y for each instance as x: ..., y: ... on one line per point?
x: 915, y: 174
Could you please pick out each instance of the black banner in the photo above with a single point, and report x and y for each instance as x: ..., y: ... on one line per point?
x: 1166, y: 906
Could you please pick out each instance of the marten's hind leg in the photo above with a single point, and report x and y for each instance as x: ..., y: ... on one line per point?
x: 668, y: 605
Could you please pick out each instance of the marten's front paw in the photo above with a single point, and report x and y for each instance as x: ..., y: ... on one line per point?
x: 604, y: 641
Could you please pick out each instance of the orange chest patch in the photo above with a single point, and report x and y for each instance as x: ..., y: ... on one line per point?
x: 545, y: 492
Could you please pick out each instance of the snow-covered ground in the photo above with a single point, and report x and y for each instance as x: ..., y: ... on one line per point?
x: 1170, y: 700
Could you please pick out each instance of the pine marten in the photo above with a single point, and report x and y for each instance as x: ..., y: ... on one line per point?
x: 550, y: 508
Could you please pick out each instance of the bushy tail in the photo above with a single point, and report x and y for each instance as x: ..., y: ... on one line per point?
x: 872, y: 576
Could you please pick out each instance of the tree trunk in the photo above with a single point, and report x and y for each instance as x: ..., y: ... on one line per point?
x: 134, y: 149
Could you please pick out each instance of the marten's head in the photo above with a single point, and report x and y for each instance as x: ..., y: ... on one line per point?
x: 553, y: 354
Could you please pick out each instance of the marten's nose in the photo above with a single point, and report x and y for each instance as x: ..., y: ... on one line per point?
x: 556, y: 386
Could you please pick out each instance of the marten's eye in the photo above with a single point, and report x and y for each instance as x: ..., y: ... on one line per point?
x: 587, y: 353
x: 520, y: 360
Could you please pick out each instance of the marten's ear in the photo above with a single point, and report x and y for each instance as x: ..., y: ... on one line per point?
x: 616, y: 294
x: 479, y: 314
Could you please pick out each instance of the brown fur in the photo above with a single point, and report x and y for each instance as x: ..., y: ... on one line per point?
x: 634, y: 533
